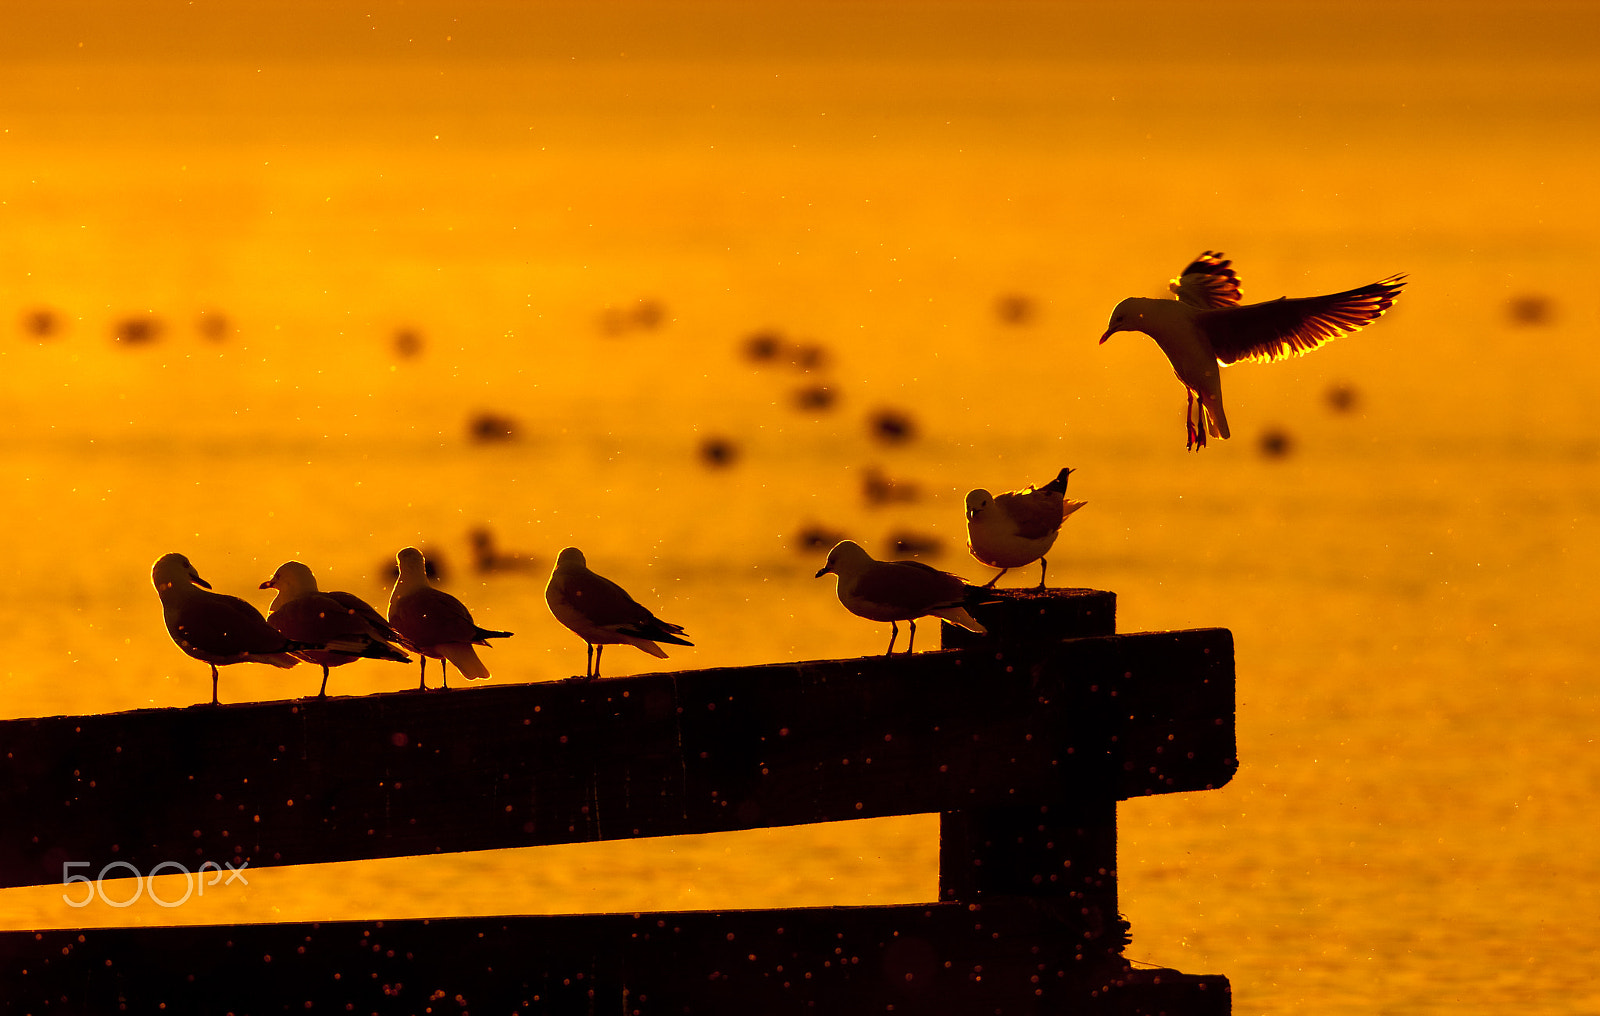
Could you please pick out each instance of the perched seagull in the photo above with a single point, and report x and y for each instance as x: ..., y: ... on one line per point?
x: 433, y: 623
x: 899, y: 591
x: 215, y: 628
x: 1018, y: 527
x: 602, y: 613
x: 301, y: 611
x: 1207, y: 324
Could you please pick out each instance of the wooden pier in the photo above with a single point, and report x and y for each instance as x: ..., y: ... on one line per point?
x: 1023, y: 741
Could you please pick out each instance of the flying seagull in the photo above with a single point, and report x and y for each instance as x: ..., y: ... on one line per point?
x: 899, y: 591
x: 602, y: 613
x: 1018, y: 527
x: 301, y: 611
x: 433, y: 623
x: 215, y: 628
x: 1207, y: 325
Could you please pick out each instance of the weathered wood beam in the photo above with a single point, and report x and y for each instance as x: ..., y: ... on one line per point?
x: 843, y: 960
x: 660, y: 754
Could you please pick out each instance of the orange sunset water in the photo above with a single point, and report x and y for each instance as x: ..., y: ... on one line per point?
x: 321, y: 281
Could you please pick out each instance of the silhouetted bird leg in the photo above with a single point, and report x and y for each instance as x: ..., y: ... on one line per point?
x: 1042, y: 565
x: 1188, y: 421
x: 912, y: 641
x: 323, y: 693
x: 588, y: 661
x: 894, y: 633
x: 597, y: 651
x: 213, y: 684
x: 423, y: 684
x: 444, y: 673
x: 990, y: 584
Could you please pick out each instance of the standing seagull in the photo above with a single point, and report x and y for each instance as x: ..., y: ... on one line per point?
x: 602, y: 613
x: 215, y: 628
x: 302, y: 611
x: 1018, y: 527
x: 433, y: 623
x: 899, y: 591
x: 1207, y: 324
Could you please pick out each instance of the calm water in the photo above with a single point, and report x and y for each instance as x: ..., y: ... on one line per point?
x: 1409, y: 587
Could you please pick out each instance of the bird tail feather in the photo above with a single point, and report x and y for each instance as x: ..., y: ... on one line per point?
x: 466, y: 660
x: 1059, y: 484
x: 959, y: 615
x: 1212, y: 414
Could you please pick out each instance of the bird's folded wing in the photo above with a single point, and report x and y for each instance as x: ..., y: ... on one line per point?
x: 432, y: 617
x: 1284, y: 327
x: 1035, y: 515
x: 226, y: 624
x: 909, y: 584
x: 366, y: 612
x: 604, y: 602
x: 1208, y: 283
x: 656, y: 630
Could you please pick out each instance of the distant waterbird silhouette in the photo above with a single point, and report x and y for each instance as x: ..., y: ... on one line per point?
x: 897, y: 591
x: 433, y: 623
x: 1207, y: 326
x: 488, y: 557
x: 1018, y: 527
x: 216, y: 628
x: 351, y: 628
x: 602, y: 613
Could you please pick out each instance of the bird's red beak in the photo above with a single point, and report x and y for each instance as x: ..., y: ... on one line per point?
x: 1109, y: 332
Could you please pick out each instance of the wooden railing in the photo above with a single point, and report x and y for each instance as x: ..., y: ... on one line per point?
x: 1023, y: 741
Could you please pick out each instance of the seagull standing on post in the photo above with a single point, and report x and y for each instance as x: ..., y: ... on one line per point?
x: 1207, y: 326
x: 302, y: 611
x: 602, y: 613
x: 1018, y: 527
x: 896, y: 591
x: 433, y: 623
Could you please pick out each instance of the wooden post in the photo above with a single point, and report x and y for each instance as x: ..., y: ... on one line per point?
x: 1062, y: 852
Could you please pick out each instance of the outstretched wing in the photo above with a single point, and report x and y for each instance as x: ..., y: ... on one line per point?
x: 1208, y: 283
x: 1284, y: 327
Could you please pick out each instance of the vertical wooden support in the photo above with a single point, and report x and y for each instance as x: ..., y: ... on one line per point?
x: 1061, y: 856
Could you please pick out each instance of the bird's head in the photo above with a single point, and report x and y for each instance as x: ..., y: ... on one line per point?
x: 174, y: 571
x: 977, y: 501
x: 846, y: 555
x: 292, y: 580
x: 1126, y: 317
x: 571, y: 559
x: 413, y: 567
